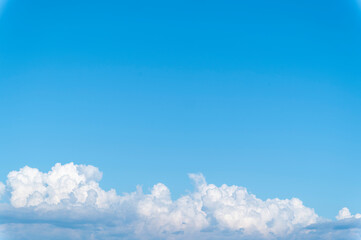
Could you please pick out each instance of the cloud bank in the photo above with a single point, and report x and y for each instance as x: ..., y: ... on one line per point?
x: 68, y: 203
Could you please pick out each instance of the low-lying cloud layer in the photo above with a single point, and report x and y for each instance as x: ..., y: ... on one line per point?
x: 68, y: 203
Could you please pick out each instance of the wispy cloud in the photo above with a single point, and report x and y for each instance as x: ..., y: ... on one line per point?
x: 67, y: 202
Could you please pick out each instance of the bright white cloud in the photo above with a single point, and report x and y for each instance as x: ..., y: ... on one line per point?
x: 68, y: 201
x: 30, y: 187
x: 345, y: 213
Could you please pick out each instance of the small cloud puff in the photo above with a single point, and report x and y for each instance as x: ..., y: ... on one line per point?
x: 345, y: 213
x: 68, y: 201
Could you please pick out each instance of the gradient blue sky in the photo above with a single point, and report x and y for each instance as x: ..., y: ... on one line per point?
x: 262, y: 94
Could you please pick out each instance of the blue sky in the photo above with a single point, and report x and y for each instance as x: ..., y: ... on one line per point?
x: 261, y: 94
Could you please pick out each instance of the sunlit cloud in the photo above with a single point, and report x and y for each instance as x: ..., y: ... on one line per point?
x: 68, y: 203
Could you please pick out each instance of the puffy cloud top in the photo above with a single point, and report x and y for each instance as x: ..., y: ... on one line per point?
x: 233, y: 208
x: 345, y: 213
x: 30, y: 187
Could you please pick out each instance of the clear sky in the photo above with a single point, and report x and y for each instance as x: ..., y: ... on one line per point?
x: 261, y: 94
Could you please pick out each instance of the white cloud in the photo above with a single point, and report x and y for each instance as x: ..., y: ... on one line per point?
x: 30, y: 187
x: 234, y: 208
x: 2, y: 189
x: 345, y: 213
x: 68, y: 201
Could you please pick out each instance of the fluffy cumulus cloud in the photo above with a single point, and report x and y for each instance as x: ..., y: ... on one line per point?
x: 68, y: 203
x: 345, y: 213
x: 78, y: 183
